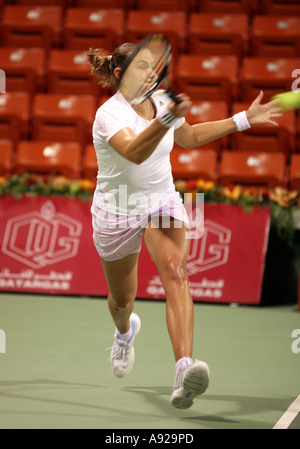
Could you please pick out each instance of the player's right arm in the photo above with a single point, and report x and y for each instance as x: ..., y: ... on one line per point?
x: 138, y: 148
x: 199, y: 134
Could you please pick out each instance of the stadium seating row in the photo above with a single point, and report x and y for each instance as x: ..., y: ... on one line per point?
x: 66, y: 118
x: 61, y: 158
x: 227, y: 6
x: 202, y: 77
x: 53, y: 98
x: 51, y: 117
x: 206, y: 33
x: 246, y: 168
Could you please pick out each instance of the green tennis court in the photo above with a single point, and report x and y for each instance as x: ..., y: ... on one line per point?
x: 55, y: 372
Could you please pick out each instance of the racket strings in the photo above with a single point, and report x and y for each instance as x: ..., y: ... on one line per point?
x: 160, y: 53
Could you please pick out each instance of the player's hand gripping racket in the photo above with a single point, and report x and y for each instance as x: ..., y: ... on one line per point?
x: 146, y: 70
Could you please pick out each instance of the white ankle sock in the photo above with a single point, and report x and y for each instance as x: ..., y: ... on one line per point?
x: 126, y: 336
x: 183, y: 363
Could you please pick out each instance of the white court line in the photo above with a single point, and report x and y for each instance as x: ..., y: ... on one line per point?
x: 289, y: 416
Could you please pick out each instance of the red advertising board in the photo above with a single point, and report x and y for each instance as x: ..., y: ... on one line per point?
x: 227, y: 264
x: 46, y: 246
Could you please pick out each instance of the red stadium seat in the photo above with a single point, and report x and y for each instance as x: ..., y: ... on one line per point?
x: 253, y: 168
x: 164, y: 5
x: 89, y: 165
x: 104, y: 4
x: 280, y: 7
x: 265, y: 137
x: 208, y: 78
x: 70, y: 73
x: 276, y: 36
x: 49, y: 157
x: 218, y: 34
x: 31, y: 26
x: 24, y: 69
x: 196, y: 163
x: 272, y: 75
x: 61, y: 3
x: 92, y: 27
x: 170, y: 23
x: 227, y: 6
x: 57, y: 117
x: 14, y: 116
x: 6, y: 156
x: 206, y: 111
x: 294, y: 172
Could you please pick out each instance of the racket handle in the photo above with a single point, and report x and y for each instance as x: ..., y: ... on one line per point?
x: 173, y: 96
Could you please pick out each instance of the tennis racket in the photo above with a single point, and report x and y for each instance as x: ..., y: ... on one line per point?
x: 146, y: 70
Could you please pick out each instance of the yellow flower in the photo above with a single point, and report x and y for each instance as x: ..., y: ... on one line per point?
x: 86, y: 184
x: 283, y: 197
x: 233, y: 194
x: 2, y: 180
x: 205, y: 185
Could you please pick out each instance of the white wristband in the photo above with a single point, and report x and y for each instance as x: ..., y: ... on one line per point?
x: 165, y: 117
x: 240, y: 121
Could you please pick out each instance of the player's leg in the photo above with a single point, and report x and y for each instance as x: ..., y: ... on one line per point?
x: 169, y: 248
x: 121, y: 276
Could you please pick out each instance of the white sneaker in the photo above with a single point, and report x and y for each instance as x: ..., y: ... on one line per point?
x: 122, y: 353
x: 189, y: 383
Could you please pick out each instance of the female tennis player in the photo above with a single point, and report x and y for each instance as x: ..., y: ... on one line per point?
x: 135, y: 197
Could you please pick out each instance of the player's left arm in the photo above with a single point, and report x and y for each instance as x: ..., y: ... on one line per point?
x: 188, y: 136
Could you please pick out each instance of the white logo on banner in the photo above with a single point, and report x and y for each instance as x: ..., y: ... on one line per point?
x: 38, y: 239
x: 211, y: 251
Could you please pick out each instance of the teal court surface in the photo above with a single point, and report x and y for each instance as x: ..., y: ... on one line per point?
x: 55, y: 373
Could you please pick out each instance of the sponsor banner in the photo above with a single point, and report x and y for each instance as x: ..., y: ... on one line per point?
x: 46, y: 247
x: 227, y: 264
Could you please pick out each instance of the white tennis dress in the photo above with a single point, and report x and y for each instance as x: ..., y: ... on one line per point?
x: 128, y: 195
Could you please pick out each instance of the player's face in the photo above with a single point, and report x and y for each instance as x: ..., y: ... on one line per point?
x: 140, y: 75
x: 144, y: 67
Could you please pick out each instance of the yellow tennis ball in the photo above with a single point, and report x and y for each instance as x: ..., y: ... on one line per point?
x: 288, y: 100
